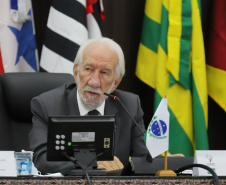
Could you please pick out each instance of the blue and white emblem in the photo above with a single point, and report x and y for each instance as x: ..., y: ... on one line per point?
x: 157, y: 128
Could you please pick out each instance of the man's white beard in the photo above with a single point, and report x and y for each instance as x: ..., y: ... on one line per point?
x: 93, y: 105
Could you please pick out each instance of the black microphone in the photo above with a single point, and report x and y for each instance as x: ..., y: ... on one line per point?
x: 149, y: 157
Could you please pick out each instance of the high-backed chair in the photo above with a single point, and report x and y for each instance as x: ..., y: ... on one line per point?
x: 16, y: 92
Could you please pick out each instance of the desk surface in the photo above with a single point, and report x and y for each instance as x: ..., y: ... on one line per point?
x: 111, y: 180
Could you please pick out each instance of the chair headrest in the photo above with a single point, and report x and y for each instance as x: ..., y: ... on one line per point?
x: 19, y: 88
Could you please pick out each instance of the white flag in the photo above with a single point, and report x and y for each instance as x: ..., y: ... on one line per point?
x: 18, y: 51
x: 70, y: 24
x: 157, y: 135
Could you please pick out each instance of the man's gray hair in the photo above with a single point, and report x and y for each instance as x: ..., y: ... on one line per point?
x: 112, y: 45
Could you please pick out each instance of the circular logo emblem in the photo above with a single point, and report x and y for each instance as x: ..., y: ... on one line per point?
x: 157, y: 128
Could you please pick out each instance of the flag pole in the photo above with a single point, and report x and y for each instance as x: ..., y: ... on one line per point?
x: 165, y: 172
x: 165, y: 160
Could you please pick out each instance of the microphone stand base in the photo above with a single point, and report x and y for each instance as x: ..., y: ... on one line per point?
x: 165, y: 173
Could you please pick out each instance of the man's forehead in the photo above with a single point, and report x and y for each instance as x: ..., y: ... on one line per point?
x: 105, y: 66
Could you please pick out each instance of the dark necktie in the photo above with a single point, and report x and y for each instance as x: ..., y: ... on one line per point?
x: 93, y: 113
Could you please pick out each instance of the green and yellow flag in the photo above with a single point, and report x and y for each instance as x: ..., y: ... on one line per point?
x: 171, y: 59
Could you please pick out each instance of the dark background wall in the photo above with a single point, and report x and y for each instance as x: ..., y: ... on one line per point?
x: 123, y: 24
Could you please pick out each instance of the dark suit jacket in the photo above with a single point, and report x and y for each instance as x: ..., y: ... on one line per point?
x: 63, y: 101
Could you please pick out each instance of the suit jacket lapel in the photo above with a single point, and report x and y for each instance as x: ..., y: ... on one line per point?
x: 111, y: 109
x: 72, y: 104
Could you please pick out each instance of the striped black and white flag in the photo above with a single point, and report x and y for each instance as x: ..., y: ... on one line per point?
x: 70, y: 24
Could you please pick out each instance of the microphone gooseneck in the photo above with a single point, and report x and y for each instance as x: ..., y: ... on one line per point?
x: 116, y: 98
x: 149, y: 157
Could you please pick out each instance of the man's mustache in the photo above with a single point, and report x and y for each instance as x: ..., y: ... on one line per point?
x: 93, y: 90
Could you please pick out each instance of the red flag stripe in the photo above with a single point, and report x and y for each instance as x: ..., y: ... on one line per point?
x: 1, y: 64
x: 216, y: 55
x: 89, y: 6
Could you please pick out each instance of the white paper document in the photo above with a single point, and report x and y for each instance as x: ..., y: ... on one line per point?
x: 215, y: 159
x: 7, y: 164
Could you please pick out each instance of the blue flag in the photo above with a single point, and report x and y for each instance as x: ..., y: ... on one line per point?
x: 18, y: 44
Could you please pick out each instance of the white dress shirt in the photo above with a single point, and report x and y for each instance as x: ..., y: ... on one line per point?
x: 83, y: 111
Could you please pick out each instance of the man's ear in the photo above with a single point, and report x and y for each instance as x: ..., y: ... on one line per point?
x: 75, y: 72
x: 117, y: 82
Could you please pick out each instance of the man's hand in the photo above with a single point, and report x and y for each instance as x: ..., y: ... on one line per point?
x: 174, y: 155
x: 110, y: 165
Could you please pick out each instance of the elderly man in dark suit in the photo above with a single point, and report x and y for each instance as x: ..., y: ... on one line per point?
x: 99, y: 68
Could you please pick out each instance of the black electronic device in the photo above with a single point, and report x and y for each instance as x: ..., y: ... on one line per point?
x: 86, y: 139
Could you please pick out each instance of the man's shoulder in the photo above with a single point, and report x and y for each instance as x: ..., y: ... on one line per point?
x: 130, y: 100
x: 58, y: 91
x: 124, y: 94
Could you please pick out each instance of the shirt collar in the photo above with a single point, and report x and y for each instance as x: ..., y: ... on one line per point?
x: 83, y: 111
